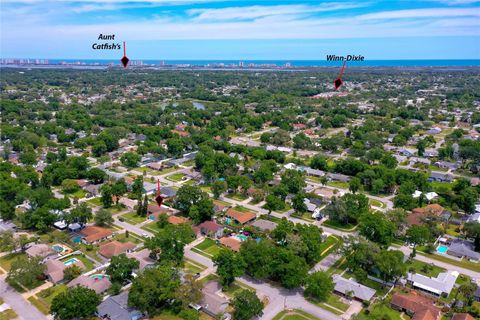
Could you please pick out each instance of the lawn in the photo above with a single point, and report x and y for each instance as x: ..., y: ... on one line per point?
x: 132, y: 237
x: 338, y: 184
x: 44, y: 298
x: 376, y: 203
x: 176, y: 177
x: 8, y: 315
x: 151, y: 227
x: 207, y: 248
x: 294, y: 315
x: 424, y: 268
x: 133, y: 218
x: 463, y: 263
x: 193, y: 267
x: 237, y: 196
x: 95, y: 202
x: 6, y: 261
x: 243, y: 209
x: 339, y: 226
x: 235, y: 288
x: 88, y: 264
x: 379, y: 311
x: 329, y: 245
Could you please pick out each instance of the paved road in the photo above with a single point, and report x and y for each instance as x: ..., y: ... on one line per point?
x: 23, y: 308
x: 406, y: 251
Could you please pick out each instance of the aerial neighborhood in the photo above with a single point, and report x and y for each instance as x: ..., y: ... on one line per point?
x: 239, y: 195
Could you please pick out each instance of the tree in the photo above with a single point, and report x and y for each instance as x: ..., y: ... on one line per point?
x: 294, y: 180
x: 75, y: 303
x: 229, y: 266
x: 218, y: 187
x: 137, y: 186
x: 258, y: 258
x: 81, y: 214
x: 189, y: 314
x: 154, y: 289
x: 418, y: 235
x: 390, y: 264
x: 121, y: 268
x: 246, y: 305
x: 187, y: 196
x: 119, y: 188
x: 472, y: 230
x: 377, y: 228
x: 72, y: 272
x: 319, y: 285
x: 298, y: 202
x: 354, y: 185
x: 202, y: 211
x: 336, y: 210
x: 103, y: 218
x: 399, y: 218
x: 468, y: 290
x: 319, y: 162
x: 273, y: 203
x: 284, y: 227
x: 169, y: 242
x: 25, y: 271
x: 106, y: 191
x: 7, y: 241
x: 190, y: 291
x: 96, y: 175
x: 130, y: 159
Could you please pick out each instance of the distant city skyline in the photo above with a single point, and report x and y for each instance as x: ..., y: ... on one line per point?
x: 241, y: 30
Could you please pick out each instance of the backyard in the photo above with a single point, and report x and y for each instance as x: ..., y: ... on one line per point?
x: 380, y: 310
x: 208, y: 248
x: 88, y: 264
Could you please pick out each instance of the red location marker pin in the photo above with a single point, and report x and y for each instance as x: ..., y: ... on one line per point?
x: 159, y: 198
x: 124, y: 60
x: 338, y: 83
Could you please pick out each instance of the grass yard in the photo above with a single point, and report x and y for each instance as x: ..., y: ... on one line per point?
x: 237, y: 196
x: 242, y: 209
x: 235, y: 288
x: 376, y: 203
x: 176, y: 177
x: 8, y: 314
x: 133, y: 218
x: 207, y: 248
x: 424, y: 268
x: 329, y: 245
x: 193, y: 266
x: 88, y: 264
x: 95, y: 202
x: 294, y: 315
x: 338, y: 184
x: 440, y: 186
x: 336, y: 225
x: 79, y: 194
x: 380, y: 311
x: 132, y: 237
x: 44, y: 298
x: 6, y: 261
x: 151, y: 227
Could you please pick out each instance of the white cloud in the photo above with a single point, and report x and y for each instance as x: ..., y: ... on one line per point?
x: 422, y: 13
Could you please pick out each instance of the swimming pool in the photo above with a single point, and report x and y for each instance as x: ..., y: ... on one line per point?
x: 70, y: 261
x: 242, y: 238
x: 58, y: 248
x: 99, y: 276
x: 77, y: 239
x: 442, y: 249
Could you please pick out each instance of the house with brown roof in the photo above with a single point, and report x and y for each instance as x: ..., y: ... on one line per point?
x: 42, y: 251
x: 94, y: 234
x: 55, y: 269
x: 177, y: 220
x: 153, y: 211
x: 462, y: 316
x: 219, y: 206
x: 114, y: 248
x: 416, y: 306
x: 128, y: 203
x: 240, y: 217
x: 231, y: 243
x: 210, y: 228
x: 99, y: 284
x: 419, y: 214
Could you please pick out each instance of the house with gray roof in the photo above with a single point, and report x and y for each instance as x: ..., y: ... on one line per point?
x: 438, y: 286
x: 338, y: 177
x: 463, y: 249
x: 351, y: 288
x: 440, y: 177
x: 116, y: 308
x: 264, y: 224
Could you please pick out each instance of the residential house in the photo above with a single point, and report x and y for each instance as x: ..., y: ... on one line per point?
x: 213, y: 303
x: 416, y: 306
x: 438, y: 286
x: 177, y: 220
x: 143, y: 257
x: 351, y: 288
x: 116, y: 308
x: 155, y: 166
x: 211, y: 229
x: 114, y: 248
x: 440, y: 177
x: 153, y: 211
x: 55, y: 269
x: 128, y: 203
x: 312, y: 172
x: 448, y: 165
x: 462, y: 316
x: 463, y: 249
x: 231, y: 243
x: 92, y: 190
x: 419, y: 214
x: 42, y: 251
x: 239, y: 216
x: 98, y: 283
x: 219, y: 207
x: 94, y: 234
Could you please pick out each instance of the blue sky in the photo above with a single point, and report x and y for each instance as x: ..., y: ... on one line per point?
x: 243, y: 30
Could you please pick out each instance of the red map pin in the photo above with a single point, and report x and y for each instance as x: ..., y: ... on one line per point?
x: 158, y: 198
x: 338, y: 83
x: 124, y: 60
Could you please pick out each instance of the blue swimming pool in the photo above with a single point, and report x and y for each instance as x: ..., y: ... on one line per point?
x: 70, y: 261
x: 442, y: 249
x: 77, y: 239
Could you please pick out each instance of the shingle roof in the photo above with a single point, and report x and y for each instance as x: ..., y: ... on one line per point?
x: 359, y: 291
x: 99, y: 285
x: 443, y: 283
x: 116, y: 307
x: 241, y: 217
x: 462, y: 316
x: 264, y: 224
x: 463, y: 249
x: 421, y: 307
x: 114, y: 248
x: 231, y: 243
